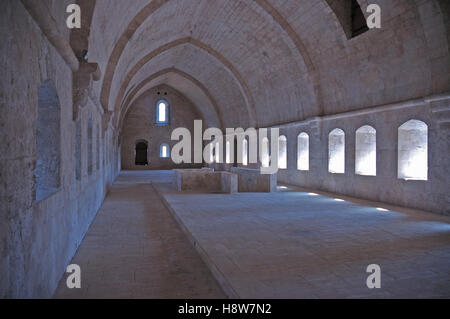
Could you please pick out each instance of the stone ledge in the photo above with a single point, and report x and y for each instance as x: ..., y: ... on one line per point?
x: 217, y: 274
x: 205, y: 180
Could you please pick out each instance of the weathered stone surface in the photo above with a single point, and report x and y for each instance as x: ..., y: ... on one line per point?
x: 265, y: 63
x: 205, y: 180
x: 38, y: 238
x: 429, y: 195
x: 290, y: 244
x: 251, y: 180
x: 140, y: 254
x: 139, y: 125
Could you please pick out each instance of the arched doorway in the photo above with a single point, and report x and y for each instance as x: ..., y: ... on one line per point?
x: 141, y: 153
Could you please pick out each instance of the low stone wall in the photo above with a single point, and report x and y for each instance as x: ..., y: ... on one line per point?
x: 229, y: 182
x: 205, y: 180
x: 251, y: 180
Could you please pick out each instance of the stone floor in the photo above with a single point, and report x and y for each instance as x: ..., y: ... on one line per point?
x: 289, y: 244
x: 135, y: 249
x: 292, y: 244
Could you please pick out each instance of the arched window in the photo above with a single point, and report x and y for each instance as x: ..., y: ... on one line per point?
x: 303, y: 152
x: 228, y: 153
x: 336, y: 151
x: 366, y: 151
x: 48, y: 142
x: 162, y: 112
x: 164, y: 151
x: 413, y: 151
x: 265, y: 160
x: 141, y: 153
x: 282, y: 154
x: 245, y: 152
x: 90, y: 148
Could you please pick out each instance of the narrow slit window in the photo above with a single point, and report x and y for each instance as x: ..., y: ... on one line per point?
x: 265, y: 160
x: 282, y: 156
x: 336, y: 151
x: 245, y: 152
x: 228, y: 153
x: 366, y: 151
x: 303, y: 152
x: 165, y: 151
x: 217, y: 153
x: 162, y: 112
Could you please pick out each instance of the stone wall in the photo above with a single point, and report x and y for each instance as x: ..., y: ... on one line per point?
x: 39, y: 237
x: 139, y: 125
x: 386, y: 186
x: 429, y: 195
x: 241, y: 63
x: 268, y: 62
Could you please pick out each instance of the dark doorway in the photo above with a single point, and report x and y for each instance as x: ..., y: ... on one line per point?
x: 141, y: 153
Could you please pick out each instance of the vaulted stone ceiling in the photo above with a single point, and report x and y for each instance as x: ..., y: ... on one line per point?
x: 264, y: 62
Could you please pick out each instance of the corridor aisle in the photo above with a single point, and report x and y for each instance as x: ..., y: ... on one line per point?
x: 134, y: 249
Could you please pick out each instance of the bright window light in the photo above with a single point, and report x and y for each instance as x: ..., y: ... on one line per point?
x: 162, y: 112
x: 265, y: 152
x: 413, y: 151
x: 303, y: 152
x: 336, y: 151
x: 164, y: 151
x: 211, y: 154
x: 245, y: 152
x: 366, y: 151
x: 282, y: 158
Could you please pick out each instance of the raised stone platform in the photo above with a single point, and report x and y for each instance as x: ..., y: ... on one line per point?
x: 251, y: 180
x: 205, y: 180
x: 296, y: 244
